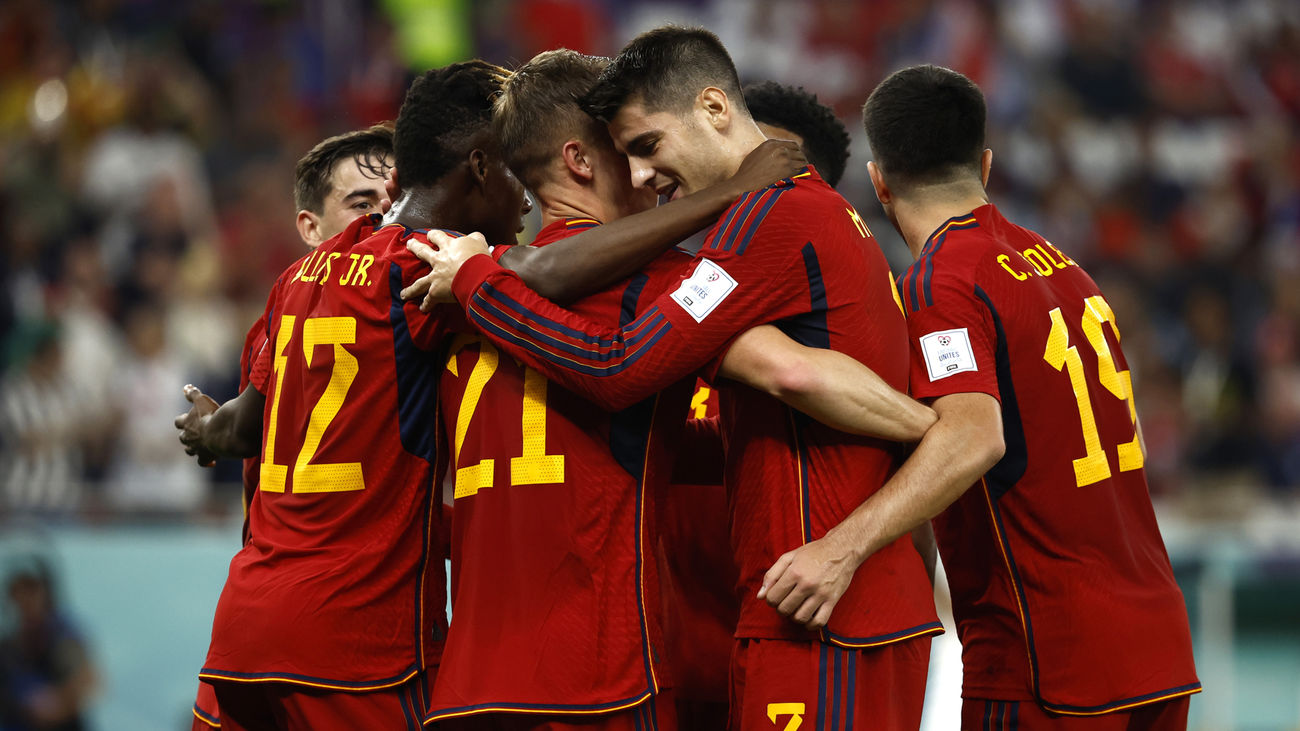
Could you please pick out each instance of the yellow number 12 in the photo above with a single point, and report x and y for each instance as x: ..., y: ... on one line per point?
x: 1093, y: 467
x: 308, y: 477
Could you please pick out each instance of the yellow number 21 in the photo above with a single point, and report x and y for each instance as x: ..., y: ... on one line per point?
x: 308, y: 477
x: 534, y: 466
x: 1093, y: 467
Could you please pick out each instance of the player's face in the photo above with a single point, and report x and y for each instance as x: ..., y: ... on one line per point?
x: 614, y: 183
x: 671, y: 153
x: 356, y: 188
x: 508, y: 201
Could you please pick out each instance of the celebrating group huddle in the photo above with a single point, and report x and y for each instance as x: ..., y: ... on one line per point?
x: 543, y: 391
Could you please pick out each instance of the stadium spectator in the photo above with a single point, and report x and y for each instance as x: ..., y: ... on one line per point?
x: 46, y: 674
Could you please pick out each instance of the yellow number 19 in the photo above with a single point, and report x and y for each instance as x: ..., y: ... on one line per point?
x: 1093, y: 467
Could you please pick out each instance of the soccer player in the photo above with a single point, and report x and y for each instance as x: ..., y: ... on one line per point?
x: 339, y: 179
x: 1065, y: 602
x: 581, y: 491
x: 796, y: 254
x: 334, y: 609
x: 788, y: 113
x: 700, y: 610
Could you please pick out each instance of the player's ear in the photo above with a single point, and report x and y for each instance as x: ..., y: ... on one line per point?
x: 716, y: 107
x: 392, y: 185
x: 577, y: 161
x: 309, y: 228
x: 986, y: 164
x: 478, y: 166
x: 878, y: 182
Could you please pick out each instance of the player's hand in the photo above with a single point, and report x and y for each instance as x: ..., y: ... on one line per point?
x: 768, y: 163
x: 444, y: 257
x: 806, y: 583
x: 191, y: 424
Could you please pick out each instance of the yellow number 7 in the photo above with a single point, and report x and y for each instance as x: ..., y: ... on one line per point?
x: 794, y: 710
x: 1092, y: 466
x: 308, y: 477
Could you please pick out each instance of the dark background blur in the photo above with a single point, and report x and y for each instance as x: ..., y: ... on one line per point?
x: 146, y: 171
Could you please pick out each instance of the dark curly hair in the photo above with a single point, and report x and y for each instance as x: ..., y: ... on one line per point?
x: 926, y: 126
x: 371, y: 149
x: 443, y: 110
x: 825, y: 138
x: 664, y: 69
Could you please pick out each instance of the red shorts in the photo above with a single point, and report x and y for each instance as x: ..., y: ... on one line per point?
x: 656, y: 714
x: 257, y: 706
x: 786, y: 685
x: 206, y: 714
x: 979, y: 714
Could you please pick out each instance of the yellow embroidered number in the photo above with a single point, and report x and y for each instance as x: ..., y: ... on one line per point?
x: 1093, y: 467
x: 472, y: 478
x: 794, y: 710
x: 534, y: 466
x: 308, y: 477
x: 700, y: 402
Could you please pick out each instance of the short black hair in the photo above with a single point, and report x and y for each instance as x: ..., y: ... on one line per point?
x: 925, y: 125
x: 371, y: 149
x: 664, y: 69
x: 443, y: 111
x: 825, y: 138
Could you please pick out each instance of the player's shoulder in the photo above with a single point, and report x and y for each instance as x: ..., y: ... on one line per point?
x: 789, y: 207
x: 948, y: 262
x: 801, y: 194
x: 392, y: 239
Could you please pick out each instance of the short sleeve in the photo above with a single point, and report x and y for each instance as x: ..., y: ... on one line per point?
x: 259, y: 375
x: 953, y: 341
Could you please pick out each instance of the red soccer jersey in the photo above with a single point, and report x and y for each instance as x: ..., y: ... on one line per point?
x: 341, y: 585
x: 554, y: 582
x: 698, y: 573
x: 253, y: 344
x: 1056, y: 550
x: 794, y: 253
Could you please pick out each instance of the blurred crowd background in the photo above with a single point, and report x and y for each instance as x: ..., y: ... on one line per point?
x: 146, y: 169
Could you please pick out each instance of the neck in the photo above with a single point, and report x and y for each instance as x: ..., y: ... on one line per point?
x: 434, y: 206
x: 920, y: 213
x: 740, y: 140
x: 567, y: 199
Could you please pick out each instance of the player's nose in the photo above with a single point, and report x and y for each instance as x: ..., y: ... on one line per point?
x: 642, y: 173
x: 528, y: 203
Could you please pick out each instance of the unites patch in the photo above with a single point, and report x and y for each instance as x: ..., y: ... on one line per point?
x: 947, y: 353
x: 704, y: 290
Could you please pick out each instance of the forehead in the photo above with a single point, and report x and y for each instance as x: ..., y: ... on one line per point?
x: 360, y: 170
x: 633, y: 120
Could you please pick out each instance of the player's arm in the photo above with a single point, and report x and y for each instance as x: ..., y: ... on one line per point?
x: 233, y: 429
x: 963, y: 444
x: 751, y: 272
x: 831, y: 387
x: 600, y: 256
